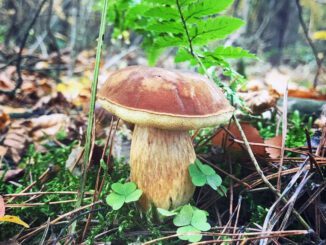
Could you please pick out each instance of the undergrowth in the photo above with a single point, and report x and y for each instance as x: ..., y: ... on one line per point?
x: 296, y: 126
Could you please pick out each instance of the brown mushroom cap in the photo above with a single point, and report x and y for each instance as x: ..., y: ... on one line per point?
x: 161, y: 98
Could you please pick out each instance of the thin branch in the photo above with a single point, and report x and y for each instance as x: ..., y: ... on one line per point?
x: 284, y: 133
x: 319, y: 61
x: 260, y: 172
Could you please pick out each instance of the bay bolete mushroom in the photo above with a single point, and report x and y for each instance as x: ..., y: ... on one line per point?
x: 163, y: 104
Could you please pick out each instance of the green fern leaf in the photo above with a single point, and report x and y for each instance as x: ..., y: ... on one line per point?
x: 166, y: 26
x: 166, y: 2
x: 183, y: 55
x: 170, y: 41
x: 164, y: 13
x: 231, y: 52
x: 215, y: 28
x: 203, y: 8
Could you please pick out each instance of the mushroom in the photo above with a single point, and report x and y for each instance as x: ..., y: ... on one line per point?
x: 163, y: 104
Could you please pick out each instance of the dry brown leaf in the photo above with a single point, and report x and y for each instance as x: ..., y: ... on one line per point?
x: 321, y: 121
x: 73, y: 159
x: 306, y: 94
x: 277, y: 80
x: 260, y: 101
x: 4, y: 120
x: 56, y: 102
x: 11, y: 174
x: 9, y: 109
x: 251, y: 133
x: 16, y: 141
x: 6, y: 81
x: 3, y: 151
x: 2, y: 207
x: 47, y: 125
x: 275, y: 141
x: 255, y: 85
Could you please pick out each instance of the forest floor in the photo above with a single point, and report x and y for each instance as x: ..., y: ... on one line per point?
x: 42, y: 133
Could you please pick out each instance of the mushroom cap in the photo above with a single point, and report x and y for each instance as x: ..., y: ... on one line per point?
x: 162, y: 98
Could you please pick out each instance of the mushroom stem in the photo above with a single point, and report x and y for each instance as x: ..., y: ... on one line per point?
x: 159, y: 161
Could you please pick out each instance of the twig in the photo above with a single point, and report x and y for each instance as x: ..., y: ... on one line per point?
x: 284, y: 133
x: 98, y: 185
x: 226, y: 173
x: 24, y: 205
x: 319, y: 61
x: 260, y: 172
x: 259, y: 234
x: 56, y: 220
x: 43, y: 193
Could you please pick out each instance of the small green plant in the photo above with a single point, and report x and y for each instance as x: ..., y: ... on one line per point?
x: 296, y: 136
x: 202, y: 174
x: 123, y: 193
x: 190, y: 221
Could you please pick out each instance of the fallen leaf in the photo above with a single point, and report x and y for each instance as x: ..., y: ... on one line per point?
x: 251, y: 133
x: 12, y: 110
x: 4, y: 120
x: 13, y: 219
x: 47, y: 125
x: 76, y: 158
x: 55, y: 102
x: 319, y: 35
x: 277, y: 80
x: 3, y: 151
x: 11, y: 174
x: 74, y: 88
x: 306, y: 94
x: 16, y: 141
x: 2, y: 207
x: 321, y: 121
x: 260, y: 101
x: 275, y: 141
x: 255, y: 85
x: 73, y: 159
x: 6, y: 84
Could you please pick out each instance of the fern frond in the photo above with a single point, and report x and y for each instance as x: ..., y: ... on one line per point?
x: 166, y: 26
x: 230, y: 52
x: 204, y: 8
x: 214, y: 28
x: 162, y: 12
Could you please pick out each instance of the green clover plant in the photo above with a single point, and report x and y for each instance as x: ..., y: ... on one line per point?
x: 123, y: 193
x: 202, y: 174
x: 189, y: 220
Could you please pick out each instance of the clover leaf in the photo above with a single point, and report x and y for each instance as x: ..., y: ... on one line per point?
x: 202, y: 174
x: 123, y: 193
x: 191, y: 220
x: 184, y: 216
x: 166, y: 213
x: 192, y: 237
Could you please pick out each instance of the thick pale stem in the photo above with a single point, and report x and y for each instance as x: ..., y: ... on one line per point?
x: 159, y: 161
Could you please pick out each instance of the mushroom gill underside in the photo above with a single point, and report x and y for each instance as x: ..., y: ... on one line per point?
x: 159, y: 161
